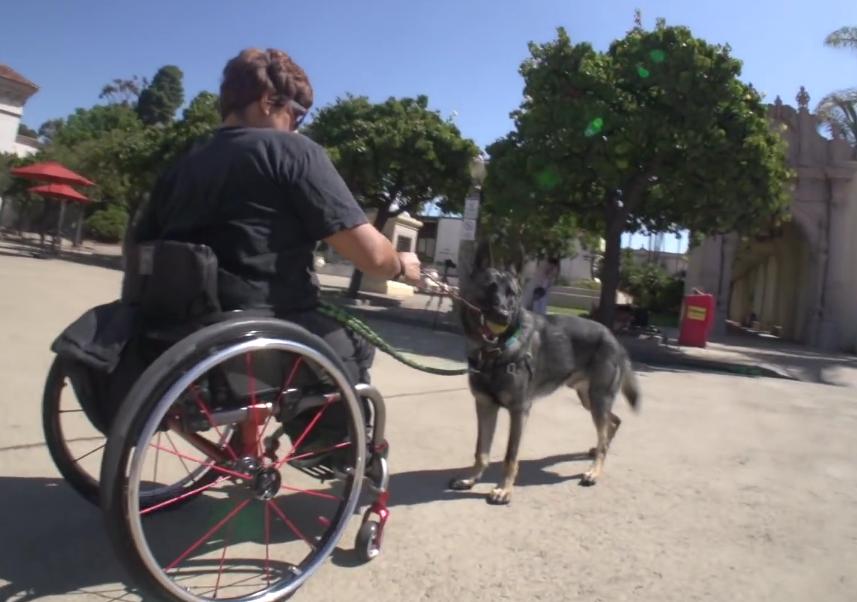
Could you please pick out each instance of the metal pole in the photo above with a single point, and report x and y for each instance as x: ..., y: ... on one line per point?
x: 58, y: 238
x: 78, y: 236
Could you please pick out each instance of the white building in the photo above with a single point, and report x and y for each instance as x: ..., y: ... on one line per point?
x: 15, y: 90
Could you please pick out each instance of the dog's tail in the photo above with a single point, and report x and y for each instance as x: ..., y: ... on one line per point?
x: 630, y: 385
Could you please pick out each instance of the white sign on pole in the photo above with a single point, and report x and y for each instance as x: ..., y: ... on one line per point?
x: 471, y: 208
x: 468, y: 229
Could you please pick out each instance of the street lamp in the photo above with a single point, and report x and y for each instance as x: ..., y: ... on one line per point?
x: 467, y: 245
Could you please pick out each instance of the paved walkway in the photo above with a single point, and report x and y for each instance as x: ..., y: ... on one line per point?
x: 722, y: 488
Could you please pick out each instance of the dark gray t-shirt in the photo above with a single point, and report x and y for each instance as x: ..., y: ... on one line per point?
x: 261, y: 199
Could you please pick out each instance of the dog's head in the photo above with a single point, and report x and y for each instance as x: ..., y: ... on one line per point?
x: 496, y: 293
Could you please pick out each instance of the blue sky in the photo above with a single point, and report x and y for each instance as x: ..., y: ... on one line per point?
x: 463, y: 54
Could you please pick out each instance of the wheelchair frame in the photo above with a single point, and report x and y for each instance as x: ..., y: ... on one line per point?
x: 145, y: 413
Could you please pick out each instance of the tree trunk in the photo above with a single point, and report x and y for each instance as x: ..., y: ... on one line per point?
x: 357, y: 276
x: 610, y: 271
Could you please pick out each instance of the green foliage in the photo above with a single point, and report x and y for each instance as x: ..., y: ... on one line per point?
x: 91, y: 124
x: 509, y: 192
x: 160, y: 100
x: 108, y: 224
x: 838, y: 110
x: 15, y: 189
x: 110, y: 145
x: 397, y: 155
x: 844, y: 37
x: 24, y: 130
x: 657, y: 133
x: 124, y: 91
x: 650, y: 285
x: 49, y: 129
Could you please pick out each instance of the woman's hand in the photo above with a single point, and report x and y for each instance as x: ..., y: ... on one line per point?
x: 410, y: 268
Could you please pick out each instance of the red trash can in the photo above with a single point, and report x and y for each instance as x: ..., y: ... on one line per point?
x: 697, y: 318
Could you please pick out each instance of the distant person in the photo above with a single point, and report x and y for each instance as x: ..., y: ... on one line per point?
x: 546, y: 276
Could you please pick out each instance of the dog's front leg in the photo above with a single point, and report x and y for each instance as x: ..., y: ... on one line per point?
x: 486, y: 417
x: 502, y: 494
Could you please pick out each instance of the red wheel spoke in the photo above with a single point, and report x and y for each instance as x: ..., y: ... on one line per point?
x: 320, y: 494
x: 238, y: 508
x: 222, y: 560
x: 307, y: 430
x: 289, y: 523
x: 286, y: 383
x: 204, y: 409
x: 179, y: 498
x: 290, y: 377
x: 212, y: 465
x: 89, y: 453
x: 310, y: 454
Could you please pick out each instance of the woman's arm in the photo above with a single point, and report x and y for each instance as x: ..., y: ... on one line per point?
x: 373, y: 254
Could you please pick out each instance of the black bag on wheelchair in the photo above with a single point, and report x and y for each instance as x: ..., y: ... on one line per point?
x: 172, y: 283
x: 169, y: 286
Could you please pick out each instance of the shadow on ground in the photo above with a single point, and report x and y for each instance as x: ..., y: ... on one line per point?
x: 55, y: 543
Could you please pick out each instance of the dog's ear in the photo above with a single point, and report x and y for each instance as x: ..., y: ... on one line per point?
x: 483, y: 259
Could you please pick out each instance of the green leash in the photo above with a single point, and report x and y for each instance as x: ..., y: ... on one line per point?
x: 362, y: 329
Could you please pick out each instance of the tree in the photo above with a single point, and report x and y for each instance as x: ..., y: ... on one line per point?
x: 838, y: 110
x: 515, y: 213
x: 124, y: 91
x: 49, y: 129
x: 656, y: 133
x: 24, y: 130
x: 90, y: 124
x: 160, y: 100
x: 395, y: 156
x: 844, y: 37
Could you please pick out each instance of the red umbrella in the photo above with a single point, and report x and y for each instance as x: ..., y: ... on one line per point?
x: 59, y: 191
x: 64, y: 193
x: 51, y: 171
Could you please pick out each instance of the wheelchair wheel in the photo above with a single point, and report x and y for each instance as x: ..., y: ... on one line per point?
x: 284, y: 489
x: 76, y: 445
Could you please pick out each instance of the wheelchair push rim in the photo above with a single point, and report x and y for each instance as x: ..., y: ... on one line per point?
x: 252, y: 492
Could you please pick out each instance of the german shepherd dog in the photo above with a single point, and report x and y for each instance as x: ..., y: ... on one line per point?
x: 516, y: 356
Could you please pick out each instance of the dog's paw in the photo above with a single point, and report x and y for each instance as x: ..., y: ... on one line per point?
x: 461, y: 484
x: 588, y: 479
x: 499, y: 496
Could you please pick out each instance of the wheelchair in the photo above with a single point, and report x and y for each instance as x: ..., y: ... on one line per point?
x: 216, y: 474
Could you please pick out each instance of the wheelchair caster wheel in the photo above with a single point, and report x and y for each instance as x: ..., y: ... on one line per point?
x: 366, y: 544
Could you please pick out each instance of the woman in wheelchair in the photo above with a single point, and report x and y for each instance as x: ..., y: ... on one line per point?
x: 219, y: 269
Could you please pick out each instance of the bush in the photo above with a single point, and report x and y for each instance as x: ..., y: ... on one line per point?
x: 108, y: 224
x: 651, y: 286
